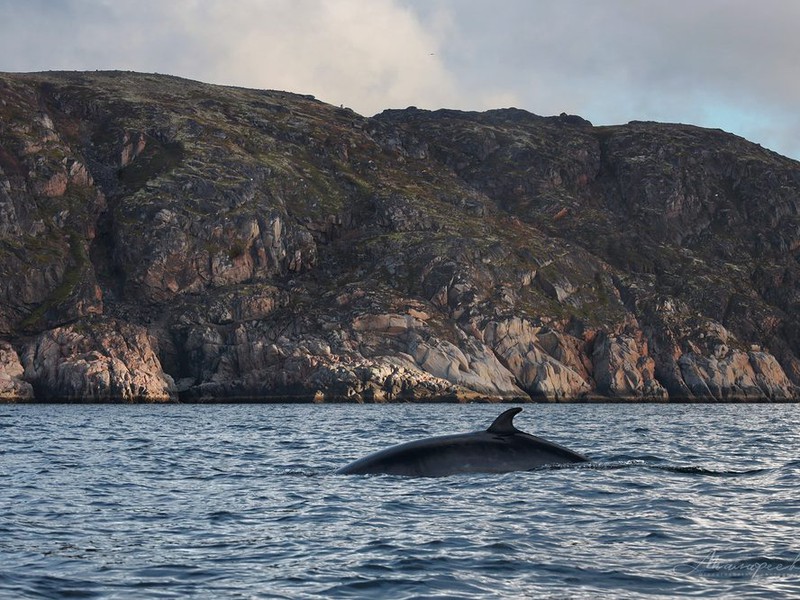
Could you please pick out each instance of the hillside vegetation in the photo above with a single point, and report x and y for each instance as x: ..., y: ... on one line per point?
x: 163, y: 239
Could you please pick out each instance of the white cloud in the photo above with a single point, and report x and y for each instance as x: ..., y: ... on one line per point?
x: 617, y: 60
x: 367, y: 55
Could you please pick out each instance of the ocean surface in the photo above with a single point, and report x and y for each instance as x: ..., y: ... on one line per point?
x: 240, y: 501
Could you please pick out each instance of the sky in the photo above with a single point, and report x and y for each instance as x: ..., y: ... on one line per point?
x: 729, y: 64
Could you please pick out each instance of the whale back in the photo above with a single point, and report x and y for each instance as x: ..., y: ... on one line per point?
x: 499, y: 449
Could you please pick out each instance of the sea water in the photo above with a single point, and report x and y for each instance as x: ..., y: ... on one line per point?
x: 241, y: 501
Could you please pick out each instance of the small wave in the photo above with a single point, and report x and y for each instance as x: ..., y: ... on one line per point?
x: 380, y: 546
x: 612, y: 465
x: 149, y: 575
x: 136, y: 440
x: 678, y: 469
x: 49, y: 586
x: 294, y: 444
x: 499, y: 548
x: 658, y: 535
x: 223, y: 516
x: 695, y: 470
x: 141, y: 448
x: 305, y: 472
x: 415, y: 431
x: 634, y: 458
x: 551, y: 467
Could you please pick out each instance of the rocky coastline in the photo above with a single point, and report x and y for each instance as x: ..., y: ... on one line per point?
x: 164, y: 240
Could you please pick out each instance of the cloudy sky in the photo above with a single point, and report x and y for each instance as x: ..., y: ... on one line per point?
x: 732, y: 64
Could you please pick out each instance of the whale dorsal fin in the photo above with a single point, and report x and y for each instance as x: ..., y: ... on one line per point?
x: 505, y: 422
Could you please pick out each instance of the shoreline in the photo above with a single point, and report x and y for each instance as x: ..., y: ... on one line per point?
x: 442, y: 400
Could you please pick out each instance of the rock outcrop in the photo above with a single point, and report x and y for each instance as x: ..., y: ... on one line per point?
x: 162, y: 239
x: 623, y: 367
x: 100, y: 360
x: 12, y: 387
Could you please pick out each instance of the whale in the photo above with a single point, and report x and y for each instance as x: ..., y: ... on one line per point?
x: 502, y: 448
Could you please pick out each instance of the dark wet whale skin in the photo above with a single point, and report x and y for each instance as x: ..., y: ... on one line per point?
x: 500, y: 449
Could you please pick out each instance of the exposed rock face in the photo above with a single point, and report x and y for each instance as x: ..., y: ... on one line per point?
x: 164, y: 239
x: 520, y: 347
x: 623, y: 367
x: 102, y: 360
x: 12, y: 387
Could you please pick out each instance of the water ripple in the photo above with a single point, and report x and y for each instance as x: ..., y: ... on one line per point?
x: 222, y: 501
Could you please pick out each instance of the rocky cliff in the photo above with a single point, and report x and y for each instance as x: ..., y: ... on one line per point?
x: 163, y: 239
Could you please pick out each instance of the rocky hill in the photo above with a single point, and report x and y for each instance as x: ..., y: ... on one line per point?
x: 162, y: 239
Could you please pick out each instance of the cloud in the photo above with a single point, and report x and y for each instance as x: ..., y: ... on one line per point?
x: 617, y: 60
x: 368, y: 55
